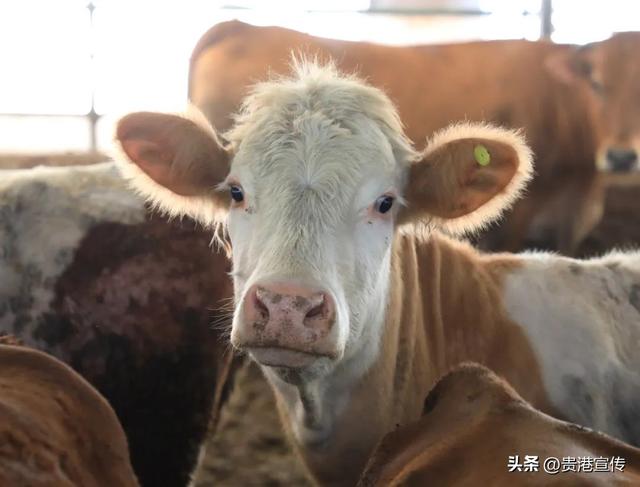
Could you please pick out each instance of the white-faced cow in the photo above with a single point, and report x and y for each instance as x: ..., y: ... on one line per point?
x: 346, y: 292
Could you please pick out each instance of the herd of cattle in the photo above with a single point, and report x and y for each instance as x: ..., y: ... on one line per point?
x: 348, y: 282
x: 578, y: 107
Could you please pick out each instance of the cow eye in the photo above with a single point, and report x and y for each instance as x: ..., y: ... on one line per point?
x: 384, y: 204
x: 236, y: 194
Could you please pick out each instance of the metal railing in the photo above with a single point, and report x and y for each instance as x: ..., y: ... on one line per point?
x: 93, y: 117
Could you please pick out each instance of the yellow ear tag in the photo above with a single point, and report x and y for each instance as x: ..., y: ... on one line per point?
x: 482, y: 155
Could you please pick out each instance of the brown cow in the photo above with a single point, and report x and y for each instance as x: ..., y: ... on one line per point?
x: 55, y: 429
x: 346, y: 293
x: 474, y: 423
x: 612, y: 70
x: 507, y: 82
x: 131, y: 302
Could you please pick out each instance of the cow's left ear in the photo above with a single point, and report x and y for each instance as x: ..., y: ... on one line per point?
x: 466, y: 177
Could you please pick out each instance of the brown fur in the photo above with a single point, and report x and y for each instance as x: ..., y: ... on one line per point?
x: 473, y: 421
x: 611, y: 71
x: 55, y: 429
x: 444, y: 309
x: 450, y: 183
x: 506, y: 82
x: 153, y: 140
x: 617, y: 64
x: 616, y: 229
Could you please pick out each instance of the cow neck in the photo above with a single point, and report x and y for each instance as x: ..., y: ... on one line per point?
x: 447, y: 306
x: 444, y: 307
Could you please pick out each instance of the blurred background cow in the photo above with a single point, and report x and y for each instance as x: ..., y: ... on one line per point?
x: 129, y: 300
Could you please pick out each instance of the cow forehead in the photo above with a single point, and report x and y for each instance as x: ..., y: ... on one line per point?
x: 620, y: 55
x: 318, y: 131
x: 319, y: 154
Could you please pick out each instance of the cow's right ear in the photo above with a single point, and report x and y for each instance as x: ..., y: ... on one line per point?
x: 175, y: 162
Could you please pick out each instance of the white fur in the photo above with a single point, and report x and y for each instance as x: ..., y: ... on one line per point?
x: 332, y: 149
x: 584, y: 327
x: 45, y: 213
x: 315, y: 152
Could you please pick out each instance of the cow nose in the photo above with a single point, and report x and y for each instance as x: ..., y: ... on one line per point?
x: 291, y: 303
x: 621, y: 160
x: 288, y: 316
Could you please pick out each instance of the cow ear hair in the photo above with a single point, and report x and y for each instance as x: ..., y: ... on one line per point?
x: 175, y: 161
x: 466, y: 177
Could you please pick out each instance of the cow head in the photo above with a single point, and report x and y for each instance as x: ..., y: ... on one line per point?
x: 610, y: 72
x: 317, y: 178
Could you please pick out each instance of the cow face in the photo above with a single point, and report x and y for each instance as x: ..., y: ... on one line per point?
x: 610, y: 72
x: 316, y: 179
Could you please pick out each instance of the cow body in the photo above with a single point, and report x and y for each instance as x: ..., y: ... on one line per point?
x: 55, y: 429
x: 132, y: 303
x: 348, y: 295
x: 500, y: 81
x: 473, y: 423
x: 562, y: 332
x: 569, y: 99
x: 508, y: 82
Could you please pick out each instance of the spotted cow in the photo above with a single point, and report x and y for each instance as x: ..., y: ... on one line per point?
x: 137, y: 306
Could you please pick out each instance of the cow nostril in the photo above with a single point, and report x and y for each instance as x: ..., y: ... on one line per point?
x: 621, y: 159
x: 260, y: 306
x: 316, y: 311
